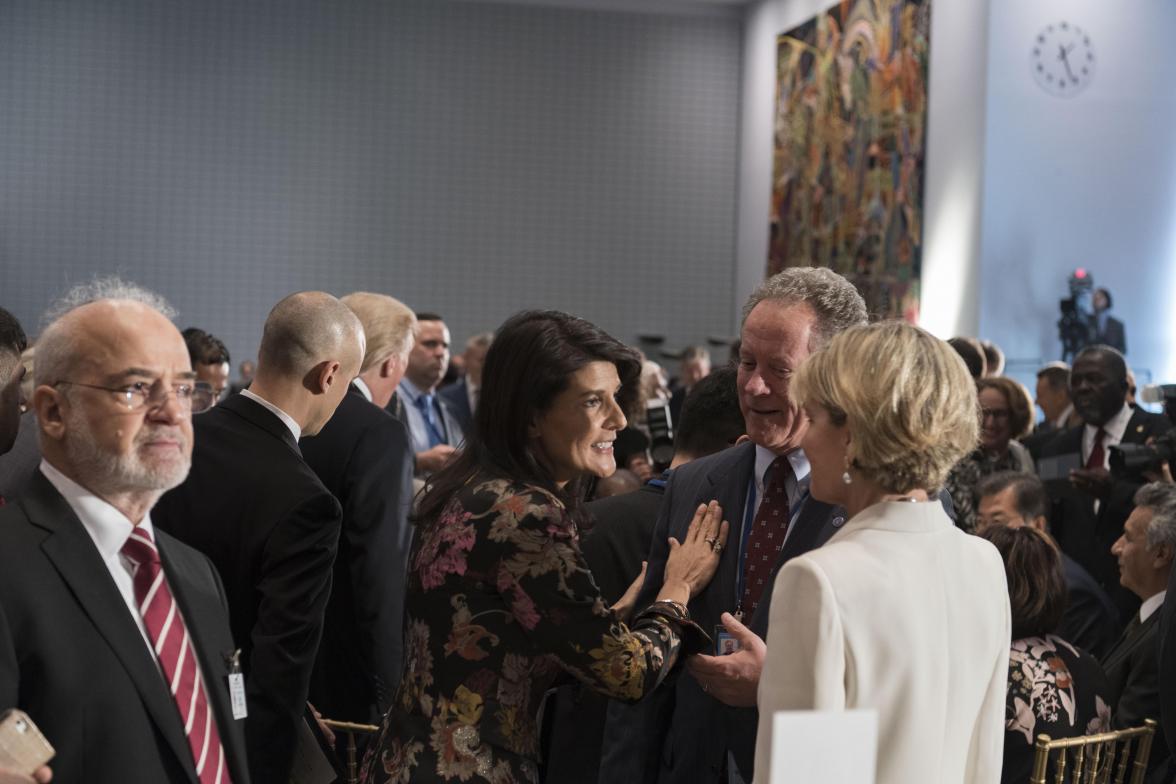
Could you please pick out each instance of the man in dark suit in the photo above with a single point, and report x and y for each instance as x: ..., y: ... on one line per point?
x: 1011, y: 498
x: 1088, y: 515
x: 1145, y: 553
x: 1105, y: 329
x: 703, y: 726
x: 114, y: 637
x: 364, y: 458
x: 254, y: 507
x: 462, y: 397
x: 435, y: 431
x: 1167, y: 665
x: 12, y: 344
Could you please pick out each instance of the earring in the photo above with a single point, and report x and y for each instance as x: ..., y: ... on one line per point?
x: 845, y: 477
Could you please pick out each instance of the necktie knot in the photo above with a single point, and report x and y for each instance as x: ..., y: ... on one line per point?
x: 425, y: 402
x: 140, y: 548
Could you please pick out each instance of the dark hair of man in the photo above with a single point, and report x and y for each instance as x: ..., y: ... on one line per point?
x: 972, y: 353
x: 994, y: 358
x: 428, y: 317
x: 1056, y: 374
x: 1116, y: 364
x: 711, y: 419
x: 203, y: 348
x: 1037, y: 583
x: 1107, y: 294
x: 530, y: 362
x: 12, y: 335
x: 1029, y: 494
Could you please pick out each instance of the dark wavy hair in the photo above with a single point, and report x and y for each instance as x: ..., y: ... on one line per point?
x: 1037, y: 581
x: 531, y: 361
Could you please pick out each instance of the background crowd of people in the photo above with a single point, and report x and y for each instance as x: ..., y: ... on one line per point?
x: 517, y: 576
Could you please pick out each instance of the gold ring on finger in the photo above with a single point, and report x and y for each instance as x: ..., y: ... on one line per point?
x: 711, y: 540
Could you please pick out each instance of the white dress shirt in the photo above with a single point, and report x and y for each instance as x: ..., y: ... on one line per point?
x: 363, y: 388
x: 1151, y: 605
x: 1114, y: 429
x: 287, y: 420
x: 109, y: 529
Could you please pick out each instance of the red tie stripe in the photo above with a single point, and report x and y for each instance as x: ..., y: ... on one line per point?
x: 768, y: 530
x: 173, y: 647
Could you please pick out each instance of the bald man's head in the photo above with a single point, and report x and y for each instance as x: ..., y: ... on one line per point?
x: 306, y: 329
x: 311, y: 349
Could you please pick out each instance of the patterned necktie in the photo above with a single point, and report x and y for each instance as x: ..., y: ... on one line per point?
x: 425, y: 404
x: 1097, y: 453
x: 768, y: 530
x: 173, y: 648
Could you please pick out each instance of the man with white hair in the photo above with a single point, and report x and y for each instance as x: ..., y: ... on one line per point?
x: 255, y: 507
x: 364, y: 457
x: 112, y: 632
x: 1145, y: 553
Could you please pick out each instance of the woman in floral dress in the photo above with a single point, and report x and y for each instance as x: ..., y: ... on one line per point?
x: 1054, y: 688
x: 499, y: 599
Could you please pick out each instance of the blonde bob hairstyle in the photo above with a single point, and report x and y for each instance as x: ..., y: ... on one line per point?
x: 906, y: 396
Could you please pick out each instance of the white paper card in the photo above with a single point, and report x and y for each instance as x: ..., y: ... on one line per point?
x: 237, y: 695
x: 826, y: 746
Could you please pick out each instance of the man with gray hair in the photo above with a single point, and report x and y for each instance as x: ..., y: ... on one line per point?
x: 462, y: 397
x: 253, y: 505
x: 703, y: 728
x: 112, y: 632
x: 1145, y: 553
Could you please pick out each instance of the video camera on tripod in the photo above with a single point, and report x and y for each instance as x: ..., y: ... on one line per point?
x: 1074, y: 327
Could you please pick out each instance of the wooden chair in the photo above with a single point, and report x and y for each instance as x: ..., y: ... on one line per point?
x: 1092, y: 759
x: 351, y: 730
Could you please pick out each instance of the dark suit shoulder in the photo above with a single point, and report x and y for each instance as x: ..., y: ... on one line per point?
x: 1064, y: 442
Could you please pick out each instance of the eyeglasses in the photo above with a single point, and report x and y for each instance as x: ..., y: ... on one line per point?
x: 996, y: 413
x: 144, y: 395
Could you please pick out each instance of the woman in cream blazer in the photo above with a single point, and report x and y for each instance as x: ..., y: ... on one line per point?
x: 900, y: 612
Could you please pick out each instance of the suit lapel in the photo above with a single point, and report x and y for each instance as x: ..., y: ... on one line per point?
x: 727, y: 483
x: 1130, y: 640
x: 73, y: 554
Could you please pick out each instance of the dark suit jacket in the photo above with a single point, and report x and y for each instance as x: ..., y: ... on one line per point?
x: 458, y: 397
x: 363, y: 457
x: 18, y: 464
x: 614, y: 549
x: 680, y: 734
x: 1166, y: 650
x: 1132, y: 669
x: 1091, y: 621
x: 254, y: 507
x: 1087, y: 537
x: 72, y: 657
x: 1114, y: 334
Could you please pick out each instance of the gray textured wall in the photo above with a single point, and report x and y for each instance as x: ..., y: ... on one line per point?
x: 472, y: 159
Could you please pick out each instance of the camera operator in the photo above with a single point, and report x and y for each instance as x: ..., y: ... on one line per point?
x: 1090, y: 514
x: 1105, y: 329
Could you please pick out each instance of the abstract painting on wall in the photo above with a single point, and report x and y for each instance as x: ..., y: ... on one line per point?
x: 850, y: 127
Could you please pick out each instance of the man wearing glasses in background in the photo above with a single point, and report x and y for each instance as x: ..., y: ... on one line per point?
x: 113, y: 634
x: 210, y: 360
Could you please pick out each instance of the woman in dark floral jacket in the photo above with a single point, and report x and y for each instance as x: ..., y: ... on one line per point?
x: 1054, y: 688
x: 500, y: 600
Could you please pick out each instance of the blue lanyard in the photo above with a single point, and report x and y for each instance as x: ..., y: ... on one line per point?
x: 749, y: 520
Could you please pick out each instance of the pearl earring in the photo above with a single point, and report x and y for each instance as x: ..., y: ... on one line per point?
x: 847, y: 478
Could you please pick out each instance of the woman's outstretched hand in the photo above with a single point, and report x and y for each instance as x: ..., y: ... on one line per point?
x: 693, y: 561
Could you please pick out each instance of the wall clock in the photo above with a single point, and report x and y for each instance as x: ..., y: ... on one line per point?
x: 1062, y: 59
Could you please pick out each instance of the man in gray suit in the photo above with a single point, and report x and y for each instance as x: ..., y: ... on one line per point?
x: 702, y: 727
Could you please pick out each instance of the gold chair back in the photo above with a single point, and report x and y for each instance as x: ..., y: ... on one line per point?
x: 1095, y: 759
x: 351, y: 729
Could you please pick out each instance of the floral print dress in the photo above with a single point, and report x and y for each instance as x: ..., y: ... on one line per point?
x: 500, y: 601
x: 1054, y: 689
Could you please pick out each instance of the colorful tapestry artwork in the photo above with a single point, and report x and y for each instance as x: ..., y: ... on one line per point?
x: 850, y: 125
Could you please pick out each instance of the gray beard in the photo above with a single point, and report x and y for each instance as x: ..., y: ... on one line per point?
x: 105, y: 473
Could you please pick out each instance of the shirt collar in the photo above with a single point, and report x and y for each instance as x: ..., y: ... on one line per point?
x: 1151, y: 605
x: 362, y: 387
x: 764, y: 458
x: 411, y: 390
x: 107, y: 526
x: 287, y: 420
x: 1115, y: 427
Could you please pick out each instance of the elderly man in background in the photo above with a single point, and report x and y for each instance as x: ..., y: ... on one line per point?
x: 462, y: 397
x: 253, y: 505
x: 703, y: 728
x: 364, y: 458
x: 112, y: 633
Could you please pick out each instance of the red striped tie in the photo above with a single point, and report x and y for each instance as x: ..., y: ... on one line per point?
x: 174, y: 650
